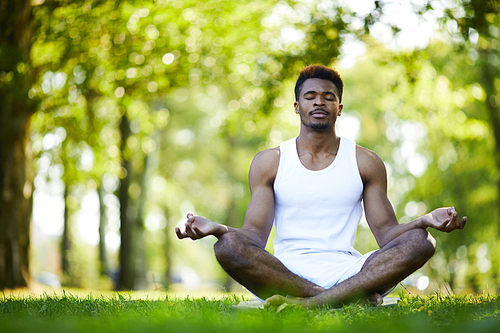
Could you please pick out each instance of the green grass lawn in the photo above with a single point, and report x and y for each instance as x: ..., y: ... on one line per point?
x: 124, y: 313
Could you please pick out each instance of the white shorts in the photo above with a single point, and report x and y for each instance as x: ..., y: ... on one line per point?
x: 326, y: 269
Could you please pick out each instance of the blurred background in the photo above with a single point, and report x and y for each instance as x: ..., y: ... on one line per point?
x: 117, y: 118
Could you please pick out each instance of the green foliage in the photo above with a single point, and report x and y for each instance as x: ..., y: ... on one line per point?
x: 207, y: 84
x: 122, y: 313
x: 456, y: 91
x: 202, y: 83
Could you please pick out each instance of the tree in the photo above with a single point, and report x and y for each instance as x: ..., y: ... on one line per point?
x: 16, y: 173
x: 474, y: 29
x: 208, y: 67
x: 441, y: 124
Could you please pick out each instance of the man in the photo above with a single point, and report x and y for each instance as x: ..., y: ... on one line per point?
x: 312, y: 187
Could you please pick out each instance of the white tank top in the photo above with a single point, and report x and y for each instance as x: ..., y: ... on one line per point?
x: 316, y: 212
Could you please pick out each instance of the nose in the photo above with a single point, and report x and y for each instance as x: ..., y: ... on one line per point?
x: 319, y: 101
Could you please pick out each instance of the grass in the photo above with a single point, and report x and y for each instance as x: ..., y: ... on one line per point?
x: 119, y: 313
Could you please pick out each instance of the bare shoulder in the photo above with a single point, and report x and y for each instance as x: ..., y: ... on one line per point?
x: 370, y: 165
x: 265, y: 166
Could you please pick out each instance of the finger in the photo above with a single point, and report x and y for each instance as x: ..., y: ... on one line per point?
x: 464, y: 220
x: 196, y: 230
x: 455, y: 220
x: 180, y: 234
x: 187, y: 228
x: 449, y: 211
x: 444, y: 225
x: 457, y: 223
x: 190, y: 232
x: 195, y: 233
x: 189, y: 221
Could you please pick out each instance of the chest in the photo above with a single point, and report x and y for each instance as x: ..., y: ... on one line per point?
x: 316, y: 162
x: 324, y: 190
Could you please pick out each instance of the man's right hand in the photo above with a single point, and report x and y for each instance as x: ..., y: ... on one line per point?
x: 198, y: 227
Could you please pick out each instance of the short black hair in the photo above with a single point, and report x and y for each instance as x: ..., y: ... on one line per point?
x: 319, y: 72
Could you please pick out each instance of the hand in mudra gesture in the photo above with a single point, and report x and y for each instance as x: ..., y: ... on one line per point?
x: 198, y: 227
x: 444, y: 219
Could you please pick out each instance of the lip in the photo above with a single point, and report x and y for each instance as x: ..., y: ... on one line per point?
x: 319, y: 113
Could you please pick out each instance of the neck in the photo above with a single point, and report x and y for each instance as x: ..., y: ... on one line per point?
x: 318, y: 142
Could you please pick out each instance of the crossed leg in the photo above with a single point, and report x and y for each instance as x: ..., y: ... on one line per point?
x: 259, y: 271
x: 381, y: 271
x: 264, y: 275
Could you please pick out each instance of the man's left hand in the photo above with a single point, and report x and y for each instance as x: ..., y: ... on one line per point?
x: 444, y: 219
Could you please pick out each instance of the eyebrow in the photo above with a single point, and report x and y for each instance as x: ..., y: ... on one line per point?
x: 315, y: 92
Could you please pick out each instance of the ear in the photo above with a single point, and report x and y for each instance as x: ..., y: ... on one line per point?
x: 296, y: 106
x: 340, y: 109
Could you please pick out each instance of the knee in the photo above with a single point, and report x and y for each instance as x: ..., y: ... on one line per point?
x: 422, y: 244
x: 227, y: 248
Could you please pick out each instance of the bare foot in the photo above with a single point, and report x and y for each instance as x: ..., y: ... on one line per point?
x: 278, y: 300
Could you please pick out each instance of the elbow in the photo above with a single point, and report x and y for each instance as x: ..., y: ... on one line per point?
x: 255, y: 236
x: 382, y: 239
x: 381, y: 243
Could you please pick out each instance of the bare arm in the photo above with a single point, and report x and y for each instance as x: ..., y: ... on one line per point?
x: 379, y: 212
x: 260, y: 212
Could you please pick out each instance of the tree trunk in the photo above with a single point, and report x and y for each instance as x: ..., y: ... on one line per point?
x: 66, y: 239
x: 16, y: 202
x: 488, y: 73
x: 127, y: 248
x: 488, y: 83
x: 141, y: 257
x: 103, y: 222
x: 168, y: 231
x: 16, y: 170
